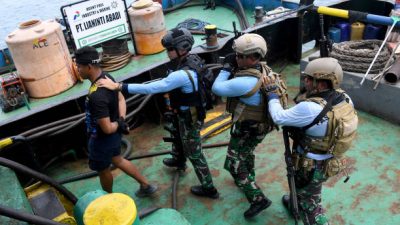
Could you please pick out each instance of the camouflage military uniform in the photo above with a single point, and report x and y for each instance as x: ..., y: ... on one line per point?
x: 245, y: 136
x: 308, y: 188
x: 191, y: 141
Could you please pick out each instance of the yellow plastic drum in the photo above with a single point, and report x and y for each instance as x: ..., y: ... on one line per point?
x: 357, y: 31
x: 111, y: 209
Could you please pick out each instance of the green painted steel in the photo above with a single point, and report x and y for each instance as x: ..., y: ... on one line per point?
x: 83, y: 203
x: 165, y: 216
x: 12, y: 195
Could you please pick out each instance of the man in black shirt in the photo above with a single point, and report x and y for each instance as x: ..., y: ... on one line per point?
x: 105, y: 113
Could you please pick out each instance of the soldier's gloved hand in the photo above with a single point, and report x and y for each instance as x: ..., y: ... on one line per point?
x: 230, y: 63
x: 270, y: 84
x: 123, y: 126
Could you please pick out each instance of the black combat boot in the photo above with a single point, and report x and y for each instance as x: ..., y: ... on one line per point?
x: 257, y: 207
x: 200, y: 191
x: 285, y: 201
x: 172, y: 162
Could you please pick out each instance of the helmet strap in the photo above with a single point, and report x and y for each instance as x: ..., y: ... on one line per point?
x: 177, y: 62
x: 315, y: 84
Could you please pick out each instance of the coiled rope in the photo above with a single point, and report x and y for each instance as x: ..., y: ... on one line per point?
x: 115, y: 55
x: 196, y: 26
x: 193, y: 25
x: 111, y: 63
x: 356, y: 56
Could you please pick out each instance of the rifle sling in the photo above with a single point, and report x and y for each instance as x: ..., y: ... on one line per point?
x: 325, y: 110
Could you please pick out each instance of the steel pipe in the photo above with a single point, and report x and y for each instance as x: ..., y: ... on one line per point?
x: 393, y: 74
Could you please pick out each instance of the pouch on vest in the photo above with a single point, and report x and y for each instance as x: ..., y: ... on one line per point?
x: 342, y: 126
x: 280, y: 83
x: 258, y: 113
x: 344, y: 122
x: 333, y: 167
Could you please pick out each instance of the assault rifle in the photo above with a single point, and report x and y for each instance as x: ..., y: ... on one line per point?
x: 172, y: 127
x: 325, y: 45
x: 293, y: 206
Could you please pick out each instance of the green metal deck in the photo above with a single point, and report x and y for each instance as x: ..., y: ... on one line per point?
x: 370, y: 197
x: 137, y: 66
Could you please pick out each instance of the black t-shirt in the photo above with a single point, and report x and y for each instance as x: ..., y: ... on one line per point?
x: 100, y: 103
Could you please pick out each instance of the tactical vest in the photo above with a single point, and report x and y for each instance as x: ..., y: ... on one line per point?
x: 260, y: 113
x: 198, y: 97
x: 342, y: 126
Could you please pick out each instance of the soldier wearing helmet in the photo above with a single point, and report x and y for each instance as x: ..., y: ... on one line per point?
x: 311, y: 125
x: 185, y: 90
x: 240, y: 80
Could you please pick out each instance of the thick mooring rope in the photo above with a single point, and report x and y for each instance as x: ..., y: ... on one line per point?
x: 115, y: 55
x: 356, y: 56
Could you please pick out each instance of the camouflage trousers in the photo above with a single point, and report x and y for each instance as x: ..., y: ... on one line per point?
x: 309, y: 187
x: 191, y: 143
x: 245, y: 136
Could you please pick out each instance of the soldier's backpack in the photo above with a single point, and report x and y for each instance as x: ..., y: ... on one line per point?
x: 342, y: 126
x: 205, y: 79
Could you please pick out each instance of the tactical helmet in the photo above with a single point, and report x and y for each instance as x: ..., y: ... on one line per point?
x: 248, y: 44
x: 178, y: 38
x: 325, y: 69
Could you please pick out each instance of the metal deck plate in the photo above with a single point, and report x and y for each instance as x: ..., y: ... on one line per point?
x: 47, y: 205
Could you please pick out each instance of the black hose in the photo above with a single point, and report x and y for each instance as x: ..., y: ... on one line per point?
x: 136, y: 101
x: 148, y: 97
x: 70, y: 126
x: 42, y: 177
x: 71, y: 122
x: 94, y: 173
x: 174, y: 190
x: 62, y: 155
x: 81, y: 176
x: 48, y: 131
x: 27, y: 217
x: 238, y: 15
x: 216, y: 145
x: 147, y: 211
x: 90, y: 174
x: 242, y: 13
x: 149, y: 155
x: 34, y: 130
x: 128, y: 100
x: 55, y: 130
x: 51, y: 161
